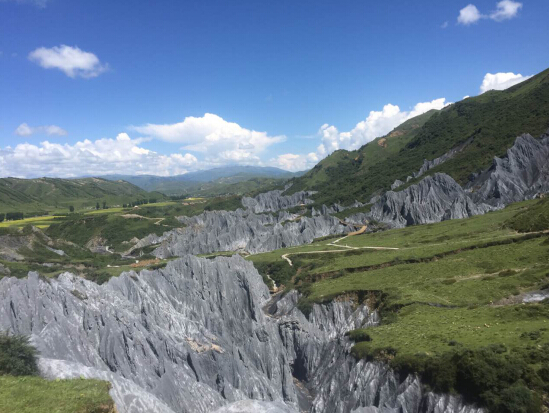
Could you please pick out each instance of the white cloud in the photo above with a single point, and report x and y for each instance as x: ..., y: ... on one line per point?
x: 469, y: 15
x: 217, y: 139
x: 26, y: 130
x: 294, y: 163
x: 444, y: 25
x: 38, y: 3
x: 70, y: 60
x: 378, y: 123
x: 103, y: 156
x: 501, y: 81
x: 506, y: 9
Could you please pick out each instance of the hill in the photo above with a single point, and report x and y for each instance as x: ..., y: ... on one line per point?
x: 210, y: 182
x: 51, y: 194
x: 486, y: 125
x: 451, y: 296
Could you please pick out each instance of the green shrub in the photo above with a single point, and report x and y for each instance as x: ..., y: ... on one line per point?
x: 360, y: 336
x: 17, y: 356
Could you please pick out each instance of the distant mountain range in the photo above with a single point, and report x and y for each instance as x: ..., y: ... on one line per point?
x: 214, y: 181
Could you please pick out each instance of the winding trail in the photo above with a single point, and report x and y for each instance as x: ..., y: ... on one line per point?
x: 345, y: 248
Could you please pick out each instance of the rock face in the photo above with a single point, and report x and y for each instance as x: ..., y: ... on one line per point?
x: 321, y: 358
x: 274, y: 201
x: 193, y: 337
x: 433, y: 199
x: 241, y: 230
x: 427, y: 165
x: 521, y: 174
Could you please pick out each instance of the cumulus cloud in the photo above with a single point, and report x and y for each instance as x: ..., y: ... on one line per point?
x: 70, y: 60
x: 469, y: 15
x: 26, y: 130
x: 378, y: 123
x: 219, y: 140
x: 501, y: 81
x: 122, y: 155
x: 293, y: 162
x: 505, y: 10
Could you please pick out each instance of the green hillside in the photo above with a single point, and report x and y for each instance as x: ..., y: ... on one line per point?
x: 450, y: 296
x: 491, y: 121
x: 54, y: 194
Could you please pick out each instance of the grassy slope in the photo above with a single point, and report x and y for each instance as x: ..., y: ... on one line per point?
x: 493, y: 119
x: 36, y: 395
x: 54, y: 194
x: 71, y: 234
x: 451, y: 286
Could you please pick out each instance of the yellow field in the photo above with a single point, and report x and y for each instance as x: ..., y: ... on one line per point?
x: 40, y: 222
x: 105, y: 211
x: 158, y: 204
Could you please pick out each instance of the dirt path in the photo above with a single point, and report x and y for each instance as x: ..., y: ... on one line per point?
x: 361, y: 231
x: 286, y: 257
x: 158, y: 220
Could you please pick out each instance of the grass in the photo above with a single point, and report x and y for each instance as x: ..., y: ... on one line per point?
x: 37, y: 395
x: 40, y: 222
x: 450, y: 293
x: 55, y: 195
x: 492, y: 121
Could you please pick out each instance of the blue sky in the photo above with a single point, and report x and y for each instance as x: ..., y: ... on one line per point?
x: 110, y: 86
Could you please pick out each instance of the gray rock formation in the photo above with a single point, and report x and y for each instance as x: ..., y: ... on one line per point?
x: 521, y: 174
x: 427, y: 165
x: 274, y: 201
x: 241, y: 231
x: 321, y: 358
x: 396, y: 184
x: 193, y: 337
x: 433, y: 199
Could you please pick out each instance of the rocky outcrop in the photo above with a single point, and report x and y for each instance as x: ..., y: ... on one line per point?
x: 274, y: 201
x: 396, y: 184
x: 241, y: 231
x: 427, y: 165
x: 433, y: 199
x: 521, y: 174
x: 193, y: 337
x: 339, y: 383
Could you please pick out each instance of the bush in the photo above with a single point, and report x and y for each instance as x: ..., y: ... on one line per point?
x: 2, y: 217
x: 492, y: 377
x: 17, y: 356
x: 360, y: 336
x: 12, y: 216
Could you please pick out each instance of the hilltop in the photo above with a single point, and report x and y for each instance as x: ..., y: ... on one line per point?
x: 483, y: 127
x: 234, y: 179
x: 53, y: 194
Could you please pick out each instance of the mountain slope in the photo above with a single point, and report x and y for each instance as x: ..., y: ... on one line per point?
x: 489, y: 123
x: 192, y: 182
x: 46, y: 193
